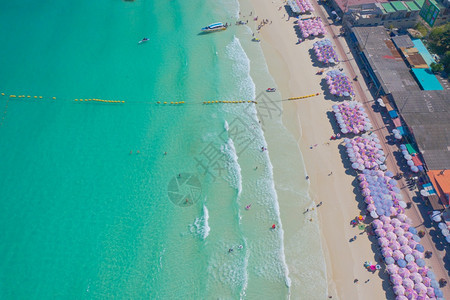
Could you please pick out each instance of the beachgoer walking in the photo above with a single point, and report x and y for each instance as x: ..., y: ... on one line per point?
x: 355, y: 281
x: 307, y: 177
x: 320, y: 203
x: 330, y: 174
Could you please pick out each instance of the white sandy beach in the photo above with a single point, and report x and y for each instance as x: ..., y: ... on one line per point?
x: 291, y: 66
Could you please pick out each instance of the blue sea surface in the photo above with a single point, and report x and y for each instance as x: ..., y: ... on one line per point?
x: 86, y: 209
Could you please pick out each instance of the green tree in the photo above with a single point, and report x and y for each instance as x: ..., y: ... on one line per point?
x: 436, y: 68
x: 439, y: 39
x: 445, y: 60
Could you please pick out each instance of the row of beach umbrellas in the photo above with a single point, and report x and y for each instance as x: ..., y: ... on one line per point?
x: 304, y: 6
x: 352, y: 117
x: 408, y: 158
x: 404, y: 258
x: 325, y: 52
x: 381, y: 193
x: 365, y: 152
x: 311, y: 27
x: 339, y: 84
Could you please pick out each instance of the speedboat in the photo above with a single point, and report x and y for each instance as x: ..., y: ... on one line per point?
x: 214, y: 27
x: 143, y: 40
x: 271, y: 90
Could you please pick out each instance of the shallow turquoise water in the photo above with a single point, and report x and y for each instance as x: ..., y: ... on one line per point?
x: 84, y: 215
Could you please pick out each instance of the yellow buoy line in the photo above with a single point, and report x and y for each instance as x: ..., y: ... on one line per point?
x: 162, y: 102
x: 99, y: 100
x: 27, y: 96
x: 304, y: 97
x: 237, y: 101
x: 171, y: 102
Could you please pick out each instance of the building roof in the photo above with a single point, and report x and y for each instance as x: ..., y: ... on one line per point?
x: 427, y: 114
x: 403, y: 41
x: 441, y: 182
x: 427, y: 79
x: 398, y: 5
x: 384, y: 59
x: 388, y: 7
x: 419, y: 3
x: 345, y: 4
x: 414, y: 58
x: 412, y: 6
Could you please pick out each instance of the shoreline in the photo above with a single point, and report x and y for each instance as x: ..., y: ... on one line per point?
x: 306, y: 120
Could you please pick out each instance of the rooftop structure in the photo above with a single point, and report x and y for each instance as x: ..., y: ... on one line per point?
x: 427, y: 114
x: 441, y: 181
x: 385, y: 64
x: 343, y: 5
x: 427, y: 79
x: 403, y: 41
x: 414, y: 59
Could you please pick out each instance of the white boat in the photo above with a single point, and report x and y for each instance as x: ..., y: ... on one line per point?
x: 214, y: 27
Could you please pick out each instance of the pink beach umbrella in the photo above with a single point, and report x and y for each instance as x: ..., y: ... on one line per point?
x: 385, y: 220
x: 408, y: 235
x: 377, y: 224
x: 406, y: 249
x: 423, y: 271
x: 404, y: 272
x: 394, y: 245
x: 416, y: 277
x: 383, y: 242
x: 391, y: 236
x: 404, y: 226
x: 397, y: 254
x: 399, y: 232
x: 430, y: 292
x: 387, y: 252
x: 417, y: 254
x: 402, y: 217
x: 408, y: 283
x: 396, y: 222
x: 411, y: 294
x: 402, y: 240
x: 426, y: 281
x: 380, y: 232
x: 392, y: 269
x: 412, y: 267
x: 399, y: 290
x: 420, y: 288
x: 401, y: 297
x: 396, y: 279
x: 370, y: 208
x: 388, y: 227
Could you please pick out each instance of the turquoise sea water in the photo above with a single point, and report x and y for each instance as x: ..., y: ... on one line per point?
x: 91, y: 206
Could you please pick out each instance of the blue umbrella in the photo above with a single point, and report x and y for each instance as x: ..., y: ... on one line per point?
x: 389, y: 260
x: 416, y: 238
x: 434, y: 284
x: 389, y: 173
x: 420, y: 262
x: 420, y: 248
x: 402, y: 263
x: 431, y: 274
x: 438, y: 293
x: 412, y: 230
